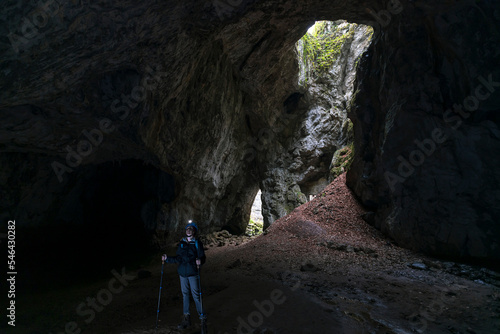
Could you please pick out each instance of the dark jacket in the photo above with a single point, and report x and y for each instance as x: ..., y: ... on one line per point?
x: 187, y: 253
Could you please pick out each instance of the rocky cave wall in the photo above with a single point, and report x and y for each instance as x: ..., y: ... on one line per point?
x: 205, y: 96
x: 426, y: 119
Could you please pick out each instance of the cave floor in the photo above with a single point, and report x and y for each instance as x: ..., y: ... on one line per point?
x: 320, y: 269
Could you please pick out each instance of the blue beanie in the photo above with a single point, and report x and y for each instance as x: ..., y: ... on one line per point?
x: 192, y: 224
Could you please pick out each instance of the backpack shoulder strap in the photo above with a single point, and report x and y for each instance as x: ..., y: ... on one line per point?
x: 197, y: 248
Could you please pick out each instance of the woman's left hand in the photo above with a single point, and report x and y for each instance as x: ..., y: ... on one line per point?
x: 198, y: 262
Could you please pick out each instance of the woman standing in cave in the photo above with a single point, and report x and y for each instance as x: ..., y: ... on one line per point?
x: 190, y: 256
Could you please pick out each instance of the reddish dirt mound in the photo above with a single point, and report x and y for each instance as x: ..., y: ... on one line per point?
x: 329, y: 225
x: 334, y: 211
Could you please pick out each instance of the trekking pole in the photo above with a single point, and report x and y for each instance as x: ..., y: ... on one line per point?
x: 199, y: 285
x: 159, y: 295
x: 203, y: 320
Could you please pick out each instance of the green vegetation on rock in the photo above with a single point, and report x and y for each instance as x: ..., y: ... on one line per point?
x: 321, y: 48
x: 254, y: 228
x: 342, y: 160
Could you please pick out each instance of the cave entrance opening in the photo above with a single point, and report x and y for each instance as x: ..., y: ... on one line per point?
x: 325, y: 47
x: 320, y: 141
x: 256, y: 224
x: 328, y: 56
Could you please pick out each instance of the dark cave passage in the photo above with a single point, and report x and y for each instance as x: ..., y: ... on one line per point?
x: 118, y: 203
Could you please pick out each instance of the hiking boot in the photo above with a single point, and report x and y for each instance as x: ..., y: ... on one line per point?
x: 186, y: 322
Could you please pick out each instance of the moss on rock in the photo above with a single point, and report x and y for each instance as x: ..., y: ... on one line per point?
x: 341, y: 161
x: 322, y: 47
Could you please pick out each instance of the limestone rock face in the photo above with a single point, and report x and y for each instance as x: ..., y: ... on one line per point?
x: 196, y: 105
